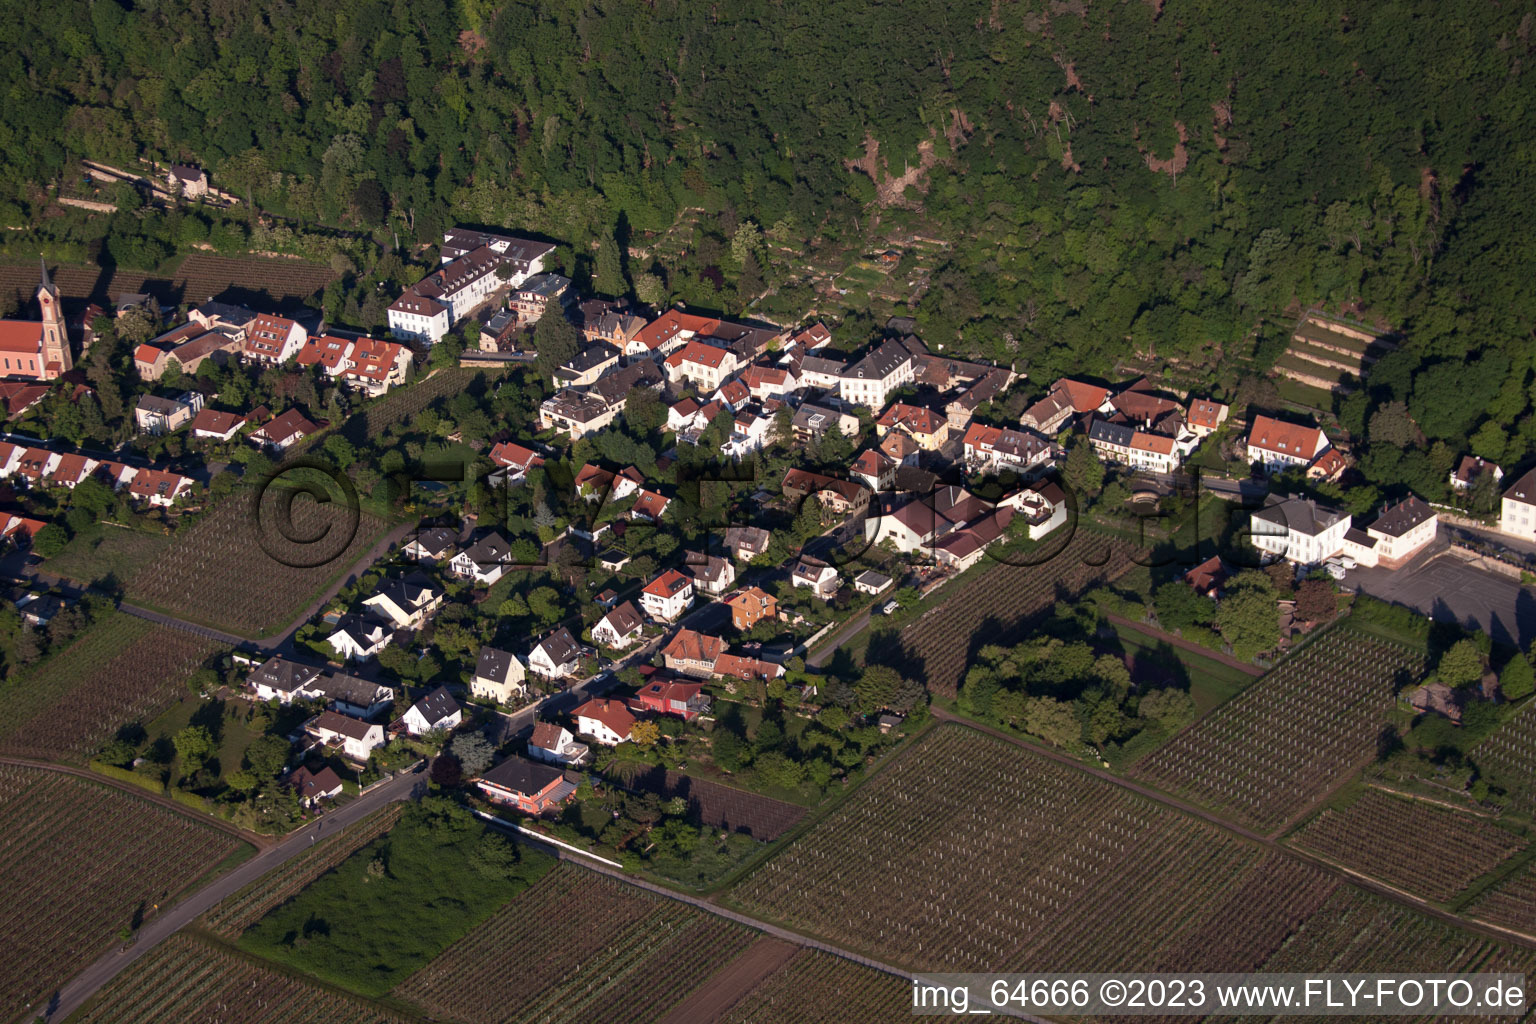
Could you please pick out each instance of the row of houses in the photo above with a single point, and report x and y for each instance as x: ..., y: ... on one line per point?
x: 42, y: 467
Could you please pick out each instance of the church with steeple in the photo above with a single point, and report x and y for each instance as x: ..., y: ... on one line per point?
x: 37, y: 350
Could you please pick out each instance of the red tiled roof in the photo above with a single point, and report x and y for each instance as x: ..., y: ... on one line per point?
x: 610, y: 712
x: 1205, y: 413
x: 21, y: 336
x: 667, y: 584
x: 1272, y: 435
x: 1085, y: 397
x: 691, y: 645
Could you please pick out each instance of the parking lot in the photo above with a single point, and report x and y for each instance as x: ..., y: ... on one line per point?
x: 1449, y: 590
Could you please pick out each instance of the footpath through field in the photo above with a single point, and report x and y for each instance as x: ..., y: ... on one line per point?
x: 157, y: 929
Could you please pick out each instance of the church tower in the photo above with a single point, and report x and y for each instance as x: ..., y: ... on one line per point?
x: 56, y: 355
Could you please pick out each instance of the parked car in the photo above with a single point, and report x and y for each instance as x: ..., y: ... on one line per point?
x: 889, y: 607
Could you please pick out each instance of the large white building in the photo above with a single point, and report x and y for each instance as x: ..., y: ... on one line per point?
x: 1301, y: 531
x: 870, y: 381
x: 1517, y: 512
x: 474, y: 265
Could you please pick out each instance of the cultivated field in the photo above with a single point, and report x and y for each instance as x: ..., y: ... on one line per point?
x: 197, y: 278
x: 971, y: 853
x: 937, y: 648
x: 761, y: 817
x: 1510, y: 753
x: 819, y: 988
x: 1419, y: 847
x: 1511, y: 903
x: 187, y: 978
x: 401, y: 404
x: 79, y: 862
x: 238, y: 912
x: 1263, y: 755
x: 576, y: 947
x: 220, y: 573
x: 120, y: 670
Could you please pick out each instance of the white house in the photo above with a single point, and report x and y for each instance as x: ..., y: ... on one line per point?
x: 821, y: 579
x: 619, y: 628
x: 436, y: 712
x: 1517, y: 512
x: 1298, y: 530
x: 1043, y: 506
x: 1399, y: 532
x: 1130, y: 446
x: 667, y: 596
x: 351, y: 695
x: 273, y: 339
x: 712, y: 574
x: 1276, y: 444
x: 921, y: 521
x: 1472, y: 467
x: 282, y: 680
x: 701, y: 364
x: 870, y: 381
x: 406, y: 602
x: 606, y: 721
x: 499, y: 676
x: 356, y: 738
x: 358, y: 637
x: 553, y: 743
x: 871, y: 582
x: 556, y: 656
x: 485, y: 561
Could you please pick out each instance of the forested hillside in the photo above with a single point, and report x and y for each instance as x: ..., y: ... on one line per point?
x: 1110, y: 177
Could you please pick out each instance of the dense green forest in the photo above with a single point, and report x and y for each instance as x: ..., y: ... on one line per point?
x: 1159, y: 177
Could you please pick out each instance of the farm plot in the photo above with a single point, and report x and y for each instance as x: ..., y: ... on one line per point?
x: 1419, y: 847
x: 1508, y: 757
x: 1511, y: 903
x: 120, y: 670
x: 970, y: 853
x: 996, y: 603
x: 256, y: 279
x: 761, y: 817
x: 222, y: 574
x: 80, y: 861
x: 187, y: 978
x: 238, y: 912
x: 575, y: 947
x: 1301, y: 728
x: 401, y: 404
x: 819, y: 988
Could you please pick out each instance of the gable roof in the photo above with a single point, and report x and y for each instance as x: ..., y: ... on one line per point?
x: 1299, y: 515
x: 1402, y: 518
x: 668, y: 584
x: 913, y: 418
x: 215, y: 421
x: 611, y: 713
x: 494, y: 663
x: 559, y: 646
x: 691, y: 645
x: 624, y: 619
x: 1205, y: 413
x: 437, y: 706
x: 1084, y: 397
x: 278, y: 673
x: 345, y: 725
x: 1272, y: 435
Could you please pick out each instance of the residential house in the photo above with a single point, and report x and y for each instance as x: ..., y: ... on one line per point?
x: 649, y: 507
x: 217, y: 425
x: 284, y: 430
x: 704, y: 365
x: 155, y: 414
x: 1329, y: 466
x: 822, y: 580
x: 871, y: 582
x: 1517, y: 508
x: 870, y: 381
x: 684, y: 415
x: 898, y: 447
x: 914, y: 523
x: 1207, y: 578
x: 1205, y: 416
x: 72, y: 468
x: 499, y: 676
x: 712, y: 574
x: 191, y: 182
x: 613, y: 559
x: 407, y: 602
x: 576, y: 413
x: 874, y: 470
x: 1471, y: 467
x: 282, y: 680
x: 535, y: 296
x: 667, y: 596
x: 1399, y: 532
x: 330, y: 352
x: 158, y: 487
x: 1043, y: 506
x: 313, y: 787
x: 960, y: 549
x: 822, y: 371
x: 929, y: 429
x: 1276, y: 444
x: 765, y: 382
x: 432, y: 544
x: 673, y: 697
x: 813, y: 420
x: 839, y: 497
x: 692, y: 653
x: 1132, y: 446
x: 1298, y: 530
x: 746, y: 542
x: 374, y: 366
x: 732, y: 394
x: 746, y: 668
x: 556, y: 656
x: 436, y: 712
x: 513, y: 461
x: 750, y: 606
x: 356, y: 738
x: 530, y: 787
x: 358, y: 637
x: 1001, y: 449
x: 272, y: 339
x: 554, y: 744
x: 619, y: 628
x: 587, y: 365
x: 351, y: 695
x: 606, y: 721
x: 485, y: 561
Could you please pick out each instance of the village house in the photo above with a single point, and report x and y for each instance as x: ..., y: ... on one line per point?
x: 821, y: 580
x: 349, y: 694
x: 473, y: 266
x: 158, y: 487
x: 711, y: 573
x: 900, y: 449
x: 746, y: 542
x: 1207, y: 578
x: 576, y: 414
x: 1000, y: 449
x: 587, y: 365
x: 407, y: 602
x: 499, y: 676
x: 1132, y: 446
x: 554, y: 744
x: 839, y: 497
x: 556, y: 656
x: 359, y: 637
x: 1398, y: 533
x: 1517, y: 511
x: 870, y: 381
x: 606, y: 721
x: 871, y: 582
x: 963, y: 548
x: 764, y: 382
x: 485, y: 561
x: 282, y: 680
x: 432, y: 544
x: 217, y: 425
x: 692, y: 653
x: 747, y: 668
x: 701, y: 364
x: 813, y: 420
x: 374, y: 366
x: 436, y: 712
x: 914, y: 523
x: 71, y: 469
x: 1042, y: 505
x: 284, y: 431
x: 750, y: 606
x: 535, y: 296
x: 330, y: 352
x: 156, y: 415
x: 1276, y: 444
x: 190, y: 182
x: 1298, y: 530
x: 1205, y: 416
x: 271, y: 339
x: 873, y: 469
x: 531, y: 788
x: 1470, y: 469
x: 732, y: 394
x: 649, y: 507
x: 313, y: 787
x: 926, y: 427
x: 356, y: 738
x: 667, y: 596
x: 684, y: 415
x: 673, y: 697
x: 619, y: 628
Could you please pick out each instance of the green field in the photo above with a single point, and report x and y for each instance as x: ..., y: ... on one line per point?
x: 102, y: 551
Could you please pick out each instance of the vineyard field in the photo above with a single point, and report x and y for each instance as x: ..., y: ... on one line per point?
x: 401, y: 404
x: 970, y: 853
x: 1301, y: 728
x: 199, y: 276
x: 576, y: 947
x: 187, y: 978
x: 1511, y: 903
x: 1419, y: 847
x: 80, y: 861
x: 727, y: 807
x: 1509, y: 755
x: 120, y: 669
x: 219, y: 573
x: 819, y: 988
x: 238, y: 912
x: 994, y: 604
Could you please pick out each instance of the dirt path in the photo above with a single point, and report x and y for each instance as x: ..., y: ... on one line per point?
x: 712, y: 1000
x: 1185, y: 645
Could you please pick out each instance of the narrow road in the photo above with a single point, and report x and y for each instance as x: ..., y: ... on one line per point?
x: 157, y: 929
x: 1186, y: 645
x: 1269, y: 842
x: 850, y: 629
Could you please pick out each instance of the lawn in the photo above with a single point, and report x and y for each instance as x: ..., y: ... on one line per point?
x: 229, y: 721
x: 101, y: 550
x: 392, y: 906
x: 1211, y: 682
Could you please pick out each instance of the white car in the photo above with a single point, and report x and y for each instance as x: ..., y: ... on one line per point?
x: 888, y: 607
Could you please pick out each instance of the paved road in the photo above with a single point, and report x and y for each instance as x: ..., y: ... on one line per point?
x: 850, y: 629
x: 159, y: 928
